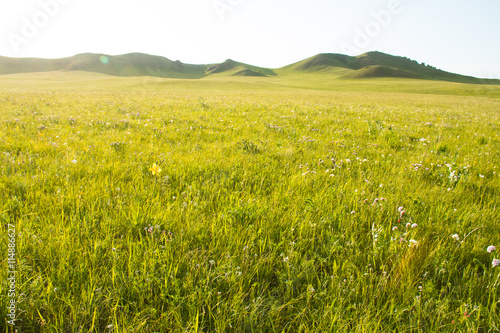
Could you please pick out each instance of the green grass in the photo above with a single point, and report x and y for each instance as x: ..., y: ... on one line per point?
x: 285, y: 82
x: 264, y: 217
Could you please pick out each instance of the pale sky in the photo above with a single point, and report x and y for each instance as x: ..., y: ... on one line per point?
x: 460, y: 36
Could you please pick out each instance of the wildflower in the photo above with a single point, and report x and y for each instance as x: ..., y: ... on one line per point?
x: 413, y: 242
x: 394, y: 228
x: 155, y: 169
x: 414, y: 225
x: 408, y: 225
x: 453, y: 176
x: 491, y: 248
x: 495, y: 263
x: 456, y: 237
x: 74, y: 161
x: 400, y: 209
x: 150, y: 230
x: 403, y: 213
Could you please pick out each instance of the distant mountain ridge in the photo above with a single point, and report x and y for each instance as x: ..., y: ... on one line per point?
x: 367, y: 65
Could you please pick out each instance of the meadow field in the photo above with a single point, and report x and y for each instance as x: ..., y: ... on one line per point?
x: 249, y: 204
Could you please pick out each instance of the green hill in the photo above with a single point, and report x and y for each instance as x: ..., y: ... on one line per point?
x: 31, y: 65
x: 135, y: 64
x: 247, y: 72
x: 379, y: 71
x: 234, y: 68
x: 411, y: 66
x: 327, y: 65
x: 375, y: 65
x: 322, y: 62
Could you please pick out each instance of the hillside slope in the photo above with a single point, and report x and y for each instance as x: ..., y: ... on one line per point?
x: 133, y: 64
x: 376, y: 64
x: 236, y: 68
x: 331, y: 66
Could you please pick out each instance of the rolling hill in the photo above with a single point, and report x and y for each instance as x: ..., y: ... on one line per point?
x: 375, y: 65
x: 133, y: 64
x: 136, y: 64
x: 234, y: 68
x: 331, y: 66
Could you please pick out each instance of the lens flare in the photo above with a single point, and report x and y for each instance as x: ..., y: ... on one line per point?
x: 104, y: 59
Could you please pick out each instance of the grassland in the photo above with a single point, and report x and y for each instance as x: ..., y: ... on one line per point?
x: 282, y: 205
